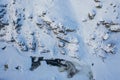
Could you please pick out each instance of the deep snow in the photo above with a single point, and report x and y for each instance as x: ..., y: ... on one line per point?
x: 84, y: 32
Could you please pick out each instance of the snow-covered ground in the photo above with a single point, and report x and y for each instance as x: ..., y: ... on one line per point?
x: 59, y: 39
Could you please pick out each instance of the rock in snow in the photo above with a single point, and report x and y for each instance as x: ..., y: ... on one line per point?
x: 59, y: 39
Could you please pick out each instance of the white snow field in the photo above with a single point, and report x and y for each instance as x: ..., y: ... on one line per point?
x: 59, y: 39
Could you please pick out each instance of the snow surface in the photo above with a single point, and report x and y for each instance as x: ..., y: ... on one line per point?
x: 84, y: 32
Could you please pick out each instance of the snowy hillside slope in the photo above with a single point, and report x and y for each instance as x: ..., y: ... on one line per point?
x: 59, y: 39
